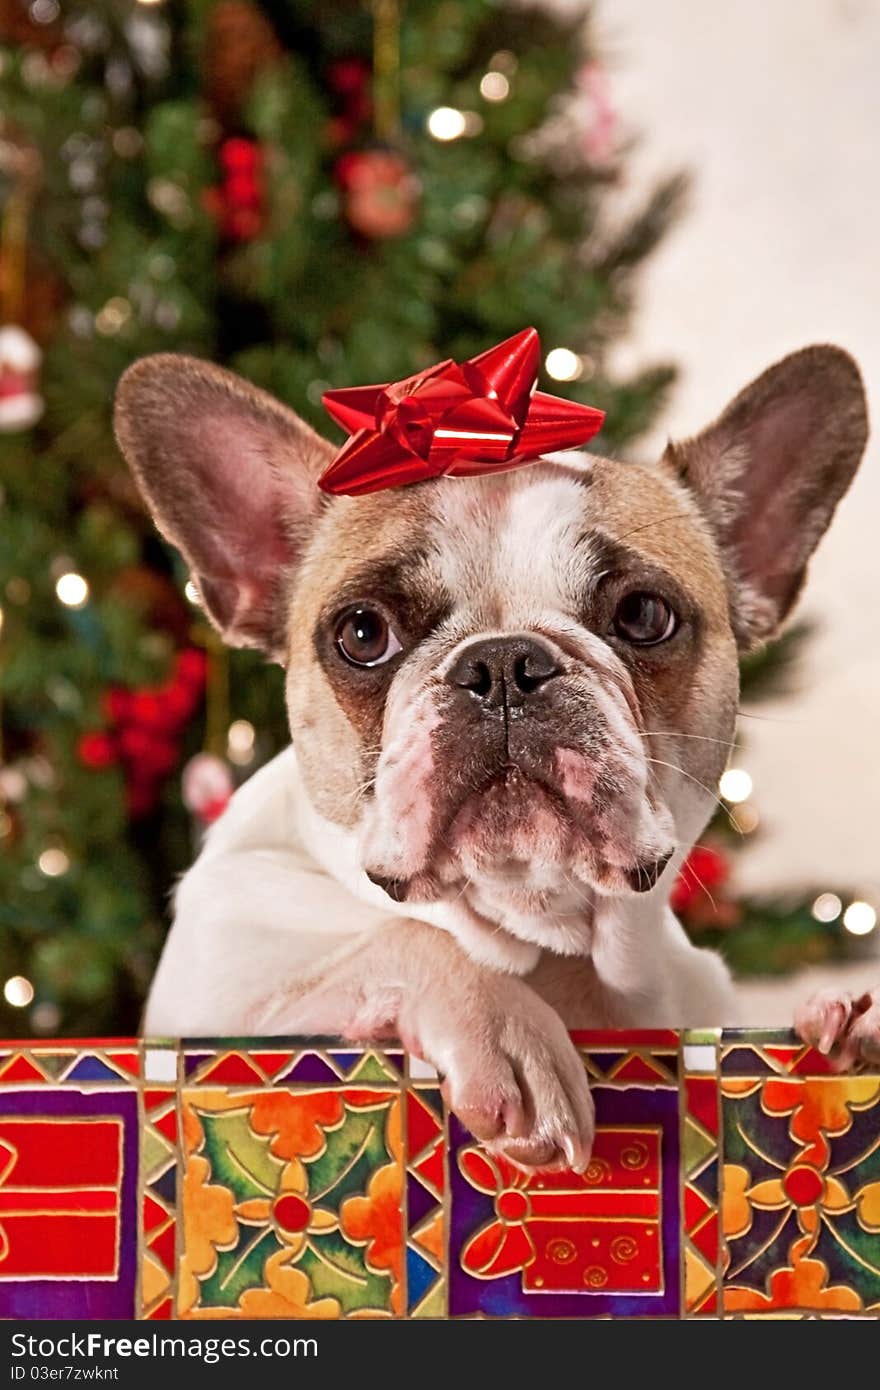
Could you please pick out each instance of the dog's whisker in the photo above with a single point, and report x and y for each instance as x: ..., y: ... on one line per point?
x: 674, y: 733
x: 768, y: 718
x: 658, y: 762
x: 655, y: 521
x: 689, y: 868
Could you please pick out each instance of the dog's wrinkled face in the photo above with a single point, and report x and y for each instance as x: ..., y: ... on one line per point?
x: 516, y: 691
x: 502, y: 666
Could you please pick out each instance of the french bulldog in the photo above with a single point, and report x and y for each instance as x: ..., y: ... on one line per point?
x: 510, y: 697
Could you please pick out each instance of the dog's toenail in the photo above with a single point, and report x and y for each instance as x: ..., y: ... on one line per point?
x: 396, y: 888
x: 644, y: 876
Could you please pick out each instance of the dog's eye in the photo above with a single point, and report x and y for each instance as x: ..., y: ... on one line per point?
x: 644, y: 619
x: 365, y: 638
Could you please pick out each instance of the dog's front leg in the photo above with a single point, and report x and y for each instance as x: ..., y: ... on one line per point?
x: 510, y: 1071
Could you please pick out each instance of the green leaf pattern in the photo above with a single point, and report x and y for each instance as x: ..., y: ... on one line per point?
x: 243, y: 1162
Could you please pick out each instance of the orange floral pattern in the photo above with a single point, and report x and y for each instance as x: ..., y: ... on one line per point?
x: 292, y: 1204
x: 801, y: 1193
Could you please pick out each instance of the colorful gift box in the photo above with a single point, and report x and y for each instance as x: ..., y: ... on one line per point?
x: 733, y: 1175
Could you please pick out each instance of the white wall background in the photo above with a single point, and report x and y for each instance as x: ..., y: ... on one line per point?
x: 775, y: 107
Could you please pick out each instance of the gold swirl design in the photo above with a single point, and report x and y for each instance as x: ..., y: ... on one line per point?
x: 561, y: 1251
x: 624, y: 1249
x: 634, y: 1156
x: 597, y: 1170
x: 595, y: 1277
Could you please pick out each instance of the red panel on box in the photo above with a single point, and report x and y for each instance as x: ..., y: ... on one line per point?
x: 42, y: 1247
x: 702, y: 1101
x: 233, y: 1070
x: 20, y: 1069
x: 422, y: 1125
x: 636, y: 1068
x: 570, y: 1232
x: 622, y: 1256
x: 60, y: 1152
x: 59, y: 1197
x: 167, y: 1124
x: 126, y: 1061
x: 163, y: 1245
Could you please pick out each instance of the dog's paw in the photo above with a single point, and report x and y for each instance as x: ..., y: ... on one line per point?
x: 822, y: 1021
x: 844, y: 1025
x: 520, y: 1087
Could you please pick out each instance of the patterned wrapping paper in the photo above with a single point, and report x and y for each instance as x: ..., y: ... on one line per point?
x: 734, y: 1175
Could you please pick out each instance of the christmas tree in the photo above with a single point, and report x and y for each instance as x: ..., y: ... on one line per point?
x: 315, y: 193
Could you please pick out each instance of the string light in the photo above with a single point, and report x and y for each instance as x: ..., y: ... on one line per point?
x: 127, y: 142
x: 860, y: 918
x: 53, y: 862
x: 72, y: 589
x: 44, y: 11
x: 191, y: 591
x: 1, y: 619
x: 18, y: 590
x: 735, y: 785
x: 13, y: 784
x: 45, y: 1017
x: 240, y: 741
x: 114, y: 315
x: 745, y: 818
x: 504, y: 61
x: 563, y: 364
x: 446, y: 123
x: 494, y: 86
x: 827, y: 907
x: 18, y: 991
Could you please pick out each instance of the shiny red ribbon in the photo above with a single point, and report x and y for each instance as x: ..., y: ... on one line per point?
x: 456, y: 420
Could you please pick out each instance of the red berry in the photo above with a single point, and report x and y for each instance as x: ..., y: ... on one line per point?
x: 97, y: 750
x: 348, y: 75
x: 146, y: 710
x: 239, y: 154
x: 141, y: 798
x: 191, y: 667
x: 179, y: 702
x: 116, y: 702
x: 135, y: 743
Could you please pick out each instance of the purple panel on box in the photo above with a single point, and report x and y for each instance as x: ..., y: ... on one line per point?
x: 560, y: 1245
x: 70, y: 1209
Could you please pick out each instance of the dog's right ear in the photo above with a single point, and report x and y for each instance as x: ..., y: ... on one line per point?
x: 230, y: 476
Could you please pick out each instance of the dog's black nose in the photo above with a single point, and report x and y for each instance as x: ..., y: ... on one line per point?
x: 503, y: 671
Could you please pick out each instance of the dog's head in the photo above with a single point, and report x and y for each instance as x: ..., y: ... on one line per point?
x: 516, y: 690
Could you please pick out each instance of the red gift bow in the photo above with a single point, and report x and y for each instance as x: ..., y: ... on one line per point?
x: 482, y: 416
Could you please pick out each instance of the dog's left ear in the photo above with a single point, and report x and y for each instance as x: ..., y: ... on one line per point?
x: 769, y: 473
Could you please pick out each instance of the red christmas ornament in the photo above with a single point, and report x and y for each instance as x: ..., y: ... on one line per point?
x: 349, y: 80
x: 482, y: 416
x: 144, y: 730
x: 704, y: 869
x: 207, y: 787
x: 380, y: 192
x: 238, y: 204
x: 191, y: 668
